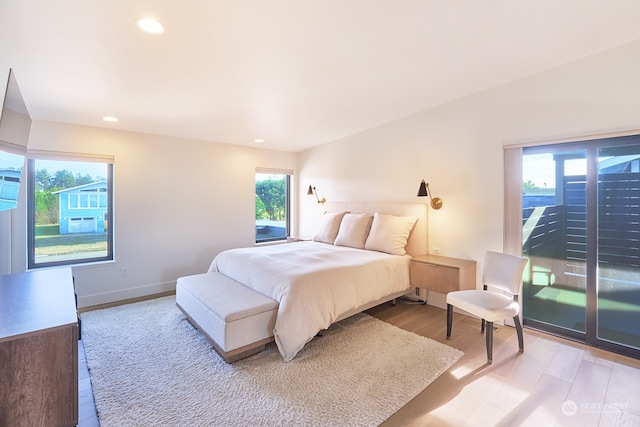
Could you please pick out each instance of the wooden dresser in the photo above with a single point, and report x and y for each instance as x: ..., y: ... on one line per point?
x: 442, y: 274
x: 38, y: 349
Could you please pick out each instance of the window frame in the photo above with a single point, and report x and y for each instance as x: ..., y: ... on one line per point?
x: 31, y: 209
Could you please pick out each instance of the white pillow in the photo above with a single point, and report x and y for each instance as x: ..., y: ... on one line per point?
x: 354, y: 230
x: 389, y: 233
x: 328, y: 227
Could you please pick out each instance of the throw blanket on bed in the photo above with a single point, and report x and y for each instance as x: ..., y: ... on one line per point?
x: 314, y: 283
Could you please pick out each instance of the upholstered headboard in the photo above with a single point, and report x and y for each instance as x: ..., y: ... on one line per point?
x: 417, y: 243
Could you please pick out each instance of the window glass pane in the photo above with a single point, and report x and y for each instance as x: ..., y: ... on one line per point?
x: 10, y: 176
x: 618, y: 265
x: 554, y: 237
x: 272, y: 207
x: 67, y: 221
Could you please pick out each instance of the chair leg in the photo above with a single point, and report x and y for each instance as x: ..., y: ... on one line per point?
x: 449, y: 319
x: 489, y: 338
x: 516, y: 320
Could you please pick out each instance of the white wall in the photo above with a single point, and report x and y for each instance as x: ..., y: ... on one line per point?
x: 177, y: 204
x: 457, y: 147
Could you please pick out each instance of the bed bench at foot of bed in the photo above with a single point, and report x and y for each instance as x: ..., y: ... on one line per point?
x: 238, y: 321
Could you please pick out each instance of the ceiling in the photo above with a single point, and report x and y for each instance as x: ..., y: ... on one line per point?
x: 296, y: 73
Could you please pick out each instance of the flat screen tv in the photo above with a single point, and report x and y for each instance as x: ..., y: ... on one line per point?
x: 15, y: 125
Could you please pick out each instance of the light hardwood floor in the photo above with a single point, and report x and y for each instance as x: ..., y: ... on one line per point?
x: 555, y: 382
x: 87, y: 416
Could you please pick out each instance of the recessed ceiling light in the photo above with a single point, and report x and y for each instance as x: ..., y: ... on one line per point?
x: 149, y: 25
x: 258, y: 140
x: 110, y: 119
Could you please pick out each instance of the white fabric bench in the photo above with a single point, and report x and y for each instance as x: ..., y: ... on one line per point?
x: 238, y: 321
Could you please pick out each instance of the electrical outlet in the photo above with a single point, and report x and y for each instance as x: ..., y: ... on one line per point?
x: 123, y: 272
x: 436, y: 250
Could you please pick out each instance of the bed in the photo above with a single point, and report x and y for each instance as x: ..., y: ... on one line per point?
x: 346, y: 268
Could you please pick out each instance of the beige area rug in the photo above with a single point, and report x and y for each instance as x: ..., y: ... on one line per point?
x: 150, y: 367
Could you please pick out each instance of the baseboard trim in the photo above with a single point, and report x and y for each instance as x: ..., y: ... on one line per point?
x: 125, y: 296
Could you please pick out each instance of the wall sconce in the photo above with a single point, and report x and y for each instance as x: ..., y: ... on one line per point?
x: 312, y: 190
x: 425, y: 191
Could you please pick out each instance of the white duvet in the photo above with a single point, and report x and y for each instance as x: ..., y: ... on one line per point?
x: 314, y: 283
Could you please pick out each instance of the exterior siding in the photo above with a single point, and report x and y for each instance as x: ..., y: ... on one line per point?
x: 81, y: 209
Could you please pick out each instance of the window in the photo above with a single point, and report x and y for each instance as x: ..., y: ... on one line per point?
x: 272, y: 205
x: 10, y: 177
x: 69, y: 207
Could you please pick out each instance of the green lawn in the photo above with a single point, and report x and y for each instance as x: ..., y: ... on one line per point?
x: 49, y: 242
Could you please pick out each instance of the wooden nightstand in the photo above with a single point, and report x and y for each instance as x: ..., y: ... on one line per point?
x: 442, y: 274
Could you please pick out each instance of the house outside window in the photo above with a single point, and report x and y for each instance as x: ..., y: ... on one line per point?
x: 272, y: 202
x: 69, y: 211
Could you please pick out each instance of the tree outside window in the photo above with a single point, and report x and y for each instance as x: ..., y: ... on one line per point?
x: 272, y: 206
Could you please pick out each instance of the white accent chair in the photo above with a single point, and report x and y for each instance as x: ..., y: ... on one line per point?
x: 501, y: 272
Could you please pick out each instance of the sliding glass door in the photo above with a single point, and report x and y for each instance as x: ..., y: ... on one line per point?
x: 581, y: 232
